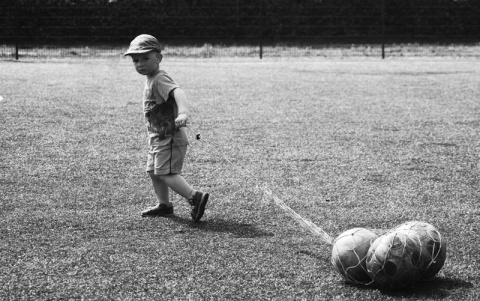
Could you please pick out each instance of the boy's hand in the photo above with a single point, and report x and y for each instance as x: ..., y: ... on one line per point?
x: 181, y: 120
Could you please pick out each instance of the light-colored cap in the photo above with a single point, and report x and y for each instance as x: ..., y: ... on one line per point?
x: 142, y: 44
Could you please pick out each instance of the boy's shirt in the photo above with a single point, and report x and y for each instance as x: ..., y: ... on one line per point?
x: 158, y: 89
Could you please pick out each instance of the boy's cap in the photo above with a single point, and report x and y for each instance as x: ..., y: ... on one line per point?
x: 142, y: 44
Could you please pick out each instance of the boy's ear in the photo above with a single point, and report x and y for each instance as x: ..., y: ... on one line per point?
x: 159, y: 57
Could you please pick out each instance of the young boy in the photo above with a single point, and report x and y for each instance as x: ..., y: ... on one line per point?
x: 166, y: 151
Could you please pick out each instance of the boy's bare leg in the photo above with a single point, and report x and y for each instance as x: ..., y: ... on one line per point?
x: 197, y: 199
x: 164, y: 206
x: 178, y: 184
x: 161, y: 190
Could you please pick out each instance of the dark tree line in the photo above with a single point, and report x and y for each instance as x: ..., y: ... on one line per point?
x: 190, y: 21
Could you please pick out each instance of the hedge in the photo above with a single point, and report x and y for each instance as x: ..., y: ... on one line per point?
x: 80, y: 21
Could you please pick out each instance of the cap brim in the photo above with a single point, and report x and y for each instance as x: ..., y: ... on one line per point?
x: 137, y: 51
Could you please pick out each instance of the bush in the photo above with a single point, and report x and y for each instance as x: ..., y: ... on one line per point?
x: 212, y: 21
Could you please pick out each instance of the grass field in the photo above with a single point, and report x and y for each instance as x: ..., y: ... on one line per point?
x: 355, y: 142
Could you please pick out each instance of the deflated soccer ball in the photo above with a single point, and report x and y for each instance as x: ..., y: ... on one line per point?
x: 433, y: 246
x: 349, y: 253
x: 393, y: 260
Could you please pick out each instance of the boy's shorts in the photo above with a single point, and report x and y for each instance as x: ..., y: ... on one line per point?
x: 167, y: 159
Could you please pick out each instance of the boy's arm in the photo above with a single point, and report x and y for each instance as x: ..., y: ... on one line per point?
x: 182, y: 105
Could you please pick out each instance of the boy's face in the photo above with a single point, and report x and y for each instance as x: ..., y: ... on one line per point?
x: 146, y: 63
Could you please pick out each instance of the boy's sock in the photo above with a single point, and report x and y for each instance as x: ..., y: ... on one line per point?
x: 192, y: 194
x: 169, y: 204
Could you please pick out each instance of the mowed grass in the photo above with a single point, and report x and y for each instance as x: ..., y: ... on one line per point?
x: 346, y: 143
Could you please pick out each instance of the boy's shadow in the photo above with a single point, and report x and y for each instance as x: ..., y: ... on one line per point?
x: 239, y: 230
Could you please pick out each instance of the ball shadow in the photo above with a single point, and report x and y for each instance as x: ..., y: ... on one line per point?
x: 436, y: 288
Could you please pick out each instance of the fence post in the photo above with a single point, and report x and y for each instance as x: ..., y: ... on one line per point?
x: 15, y: 28
x: 16, y: 48
x: 383, y: 29
x: 262, y: 25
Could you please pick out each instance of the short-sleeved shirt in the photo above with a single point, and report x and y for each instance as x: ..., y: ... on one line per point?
x: 158, y: 89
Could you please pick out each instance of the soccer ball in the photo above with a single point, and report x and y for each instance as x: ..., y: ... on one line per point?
x: 349, y: 253
x: 392, y: 260
x: 433, y: 246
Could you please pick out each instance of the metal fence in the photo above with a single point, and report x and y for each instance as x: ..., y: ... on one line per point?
x: 333, y: 50
x: 242, y: 28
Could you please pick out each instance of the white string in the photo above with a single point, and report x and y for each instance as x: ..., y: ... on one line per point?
x: 305, y: 223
